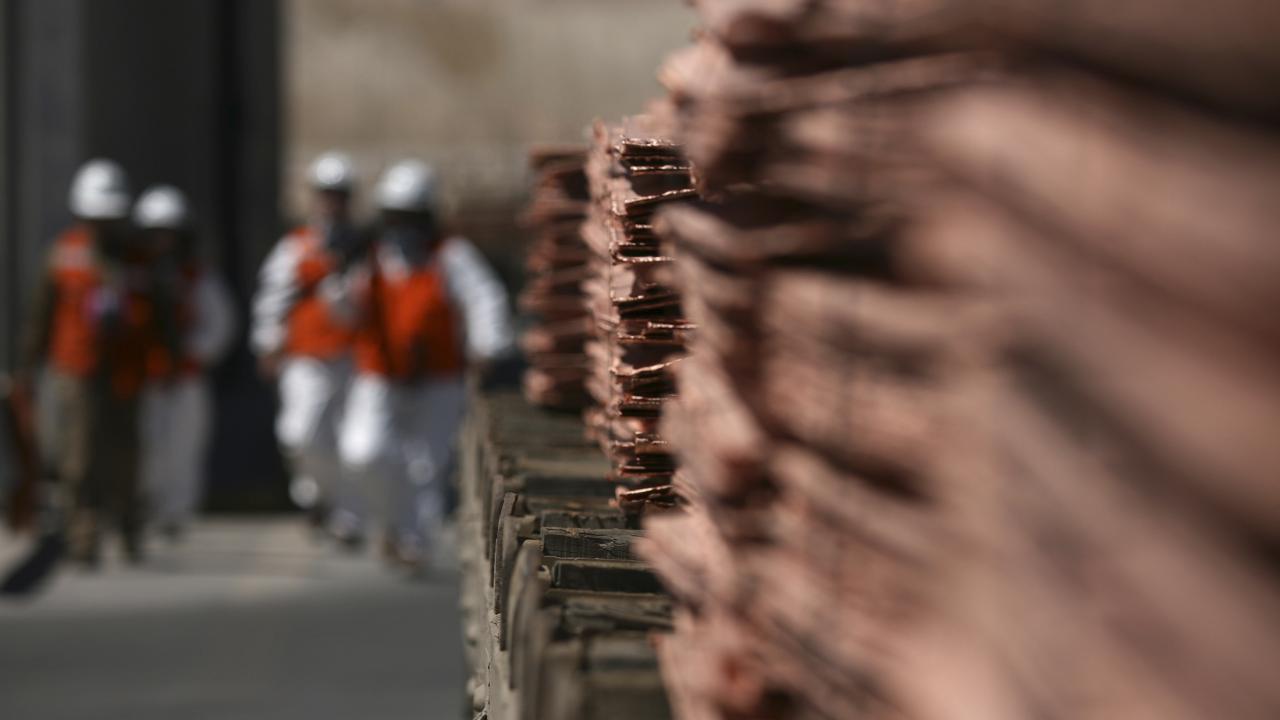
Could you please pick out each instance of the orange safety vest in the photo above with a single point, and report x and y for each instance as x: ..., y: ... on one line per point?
x: 312, y: 329
x: 78, y: 345
x: 410, y: 330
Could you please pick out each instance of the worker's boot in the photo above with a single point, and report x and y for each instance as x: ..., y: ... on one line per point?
x: 83, y: 545
x: 406, y: 553
x: 134, y: 549
x: 131, y: 532
x: 347, y: 531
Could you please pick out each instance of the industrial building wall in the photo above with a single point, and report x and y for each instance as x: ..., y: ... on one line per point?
x: 467, y: 85
x: 183, y: 93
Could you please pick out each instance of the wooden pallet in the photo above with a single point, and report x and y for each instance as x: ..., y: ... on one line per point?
x: 558, y: 613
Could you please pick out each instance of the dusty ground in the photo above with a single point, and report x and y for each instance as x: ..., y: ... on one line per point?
x: 246, y: 619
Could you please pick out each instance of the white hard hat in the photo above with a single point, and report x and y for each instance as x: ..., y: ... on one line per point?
x: 100, y: 191
x: 409, y: 185
x: 332, y: 171
x: 161, y: 207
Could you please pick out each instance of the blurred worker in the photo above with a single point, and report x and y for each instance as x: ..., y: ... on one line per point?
x: 303, y: 344
x: 176, y: 415
x: 99, y: 312
x: 428, y: 304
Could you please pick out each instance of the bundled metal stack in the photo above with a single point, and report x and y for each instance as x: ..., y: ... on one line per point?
x: 808, y: 399
x: 1112, y: 474
x: 640, y: 331
x: 980, y: 419
x: 556, y: 264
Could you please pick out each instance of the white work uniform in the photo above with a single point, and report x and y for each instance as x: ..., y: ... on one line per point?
x: 312, y: 390
x: 399, y: 436
x: 177, y: 416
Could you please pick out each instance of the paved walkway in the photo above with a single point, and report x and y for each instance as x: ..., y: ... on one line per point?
x: 245, y: 620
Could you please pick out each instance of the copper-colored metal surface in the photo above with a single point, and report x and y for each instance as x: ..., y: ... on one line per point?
x: 980, y: 417
x: 640, y: 331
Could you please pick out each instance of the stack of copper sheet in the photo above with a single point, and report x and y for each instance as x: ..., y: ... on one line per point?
x: 639, y: 325
x: 557, y: 266
x: 1114, y: 479
x: 981, y: 418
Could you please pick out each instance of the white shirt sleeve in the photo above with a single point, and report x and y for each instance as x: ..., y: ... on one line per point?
x: 277, y: 292
x: 215, y: 322
x: 476, y: 290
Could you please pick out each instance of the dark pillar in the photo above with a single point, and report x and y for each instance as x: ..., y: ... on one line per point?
x: 246, y: 461
x: 47, y: 126
x: 250, y: 90
x: 8, y: 269
x: 150, y: 78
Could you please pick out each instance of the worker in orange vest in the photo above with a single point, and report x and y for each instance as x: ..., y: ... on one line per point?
x: 306, y: 347
x: 428, y: 305
x: 177, y: 415
x: 99, y: 312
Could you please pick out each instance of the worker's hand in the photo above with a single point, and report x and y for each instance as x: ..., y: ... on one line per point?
x: 269, y: 365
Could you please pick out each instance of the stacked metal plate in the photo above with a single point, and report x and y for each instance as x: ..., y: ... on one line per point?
x: 633, y: 169
x: 1112, y: 471
x: 556, y: 265
x: 981, y: 415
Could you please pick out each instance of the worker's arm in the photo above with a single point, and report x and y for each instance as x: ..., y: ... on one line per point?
x: 477, y: 291
x: 215, y: 323
x: 277, y: 292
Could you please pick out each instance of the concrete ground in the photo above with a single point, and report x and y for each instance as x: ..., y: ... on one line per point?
x: 250, y: 619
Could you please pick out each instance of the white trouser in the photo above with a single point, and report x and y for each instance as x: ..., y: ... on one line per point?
x: 312, y: 393
x: 398, y: 440
x: 176, y: 421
